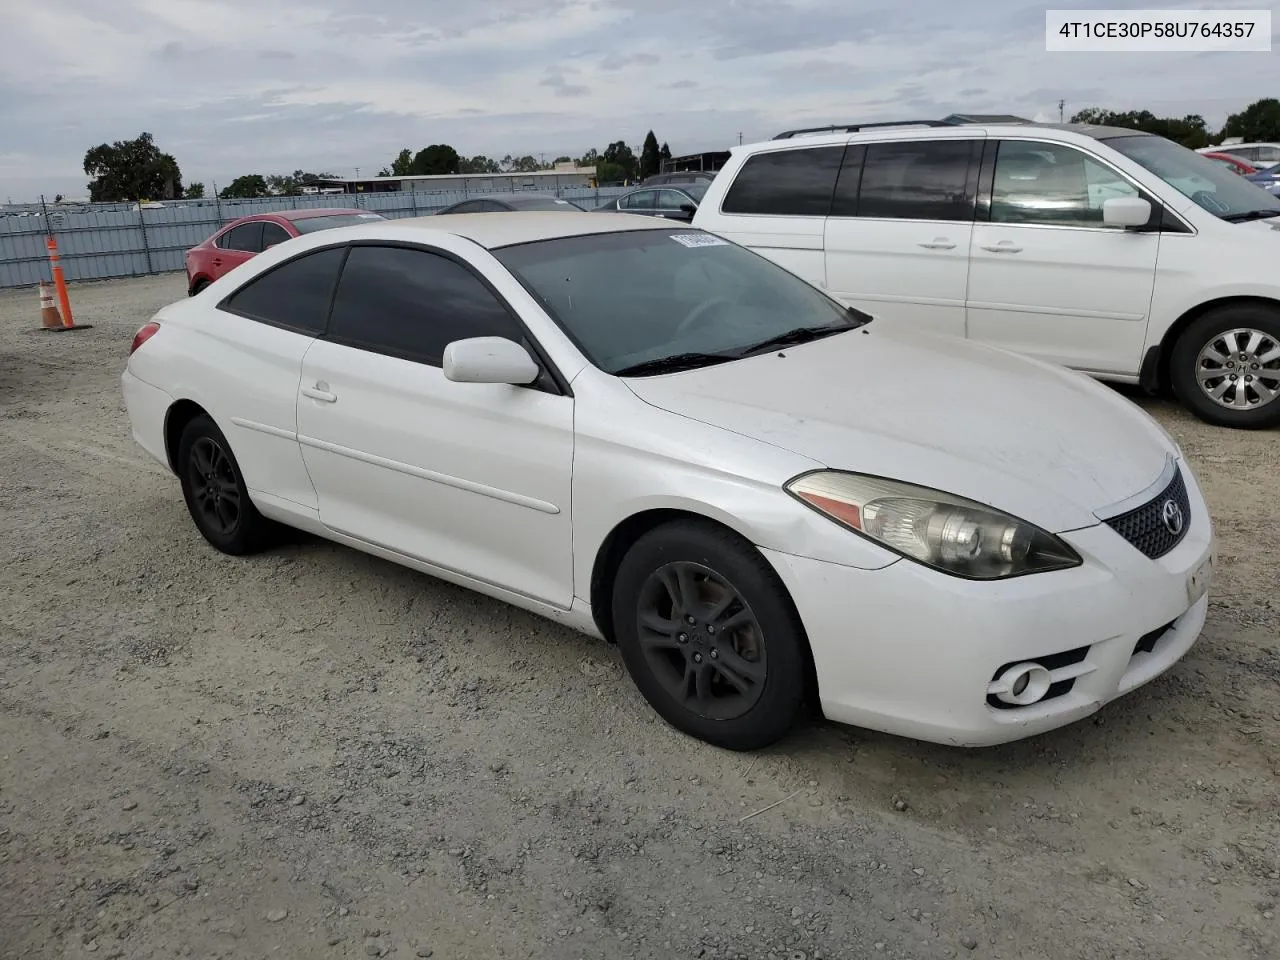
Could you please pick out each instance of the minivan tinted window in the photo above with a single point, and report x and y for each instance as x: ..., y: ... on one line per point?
x: 789, y: 183
x: 911, y: 179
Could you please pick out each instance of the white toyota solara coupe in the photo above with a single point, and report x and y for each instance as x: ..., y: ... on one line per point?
x: 658, y: 437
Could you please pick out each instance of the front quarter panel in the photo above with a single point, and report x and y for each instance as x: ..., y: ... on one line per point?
x: 631, y: 457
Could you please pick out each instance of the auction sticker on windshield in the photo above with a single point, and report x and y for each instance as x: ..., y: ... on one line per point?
x: 699, y: 240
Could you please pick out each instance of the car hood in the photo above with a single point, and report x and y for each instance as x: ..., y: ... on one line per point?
x: 1040, y: 442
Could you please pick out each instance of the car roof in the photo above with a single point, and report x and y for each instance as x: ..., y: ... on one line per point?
x: 908, y: 132
x: 317, y: 212
x: 504, y: 229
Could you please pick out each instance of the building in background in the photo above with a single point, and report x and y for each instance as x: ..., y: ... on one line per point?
x: 709, y: 162
x: 563, y: 176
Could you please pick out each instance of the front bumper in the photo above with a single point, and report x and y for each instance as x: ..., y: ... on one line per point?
x: 912, y: 652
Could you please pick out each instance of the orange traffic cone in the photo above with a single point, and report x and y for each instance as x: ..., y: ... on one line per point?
x: 50, y: 319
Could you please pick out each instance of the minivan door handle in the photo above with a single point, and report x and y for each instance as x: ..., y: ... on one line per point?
x: 320, y: 392
x: 1004, y: 246
x: 937, y: 243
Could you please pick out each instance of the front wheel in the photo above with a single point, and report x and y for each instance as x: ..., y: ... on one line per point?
x: 709, y: 635
x: 1225, y: 367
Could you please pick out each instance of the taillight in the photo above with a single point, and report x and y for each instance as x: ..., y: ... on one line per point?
x: 143, y: 335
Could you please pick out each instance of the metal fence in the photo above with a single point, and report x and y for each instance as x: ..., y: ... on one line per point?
x: 103, y: 240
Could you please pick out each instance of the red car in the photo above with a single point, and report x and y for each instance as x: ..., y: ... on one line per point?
x: 1232, y: 162
x: 242, y: 238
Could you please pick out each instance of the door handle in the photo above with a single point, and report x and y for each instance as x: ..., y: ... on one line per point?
x: 937, y: 243
x: 320, y: 392
x: 1004, y: 246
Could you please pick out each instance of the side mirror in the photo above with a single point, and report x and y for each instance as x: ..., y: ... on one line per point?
x: 489, y: 360
x: 1126, y: 212
x: 688, y: 208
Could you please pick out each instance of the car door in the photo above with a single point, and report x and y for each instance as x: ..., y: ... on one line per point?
x: 777, y: 206
x: 1046, y: 276
x: 250, y: 360
x: 897, y: 239
x: 242, y: 242
x: 473, y: 478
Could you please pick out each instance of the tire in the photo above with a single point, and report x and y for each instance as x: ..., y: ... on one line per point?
x: 684, y: 674
x: 1245, y: 334
x: 198, y: 286
x: 214, y: 490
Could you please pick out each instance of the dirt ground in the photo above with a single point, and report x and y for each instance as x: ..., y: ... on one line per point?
x: 317, y: 754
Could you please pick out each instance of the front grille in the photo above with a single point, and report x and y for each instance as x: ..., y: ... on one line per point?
x: 1145, y: 527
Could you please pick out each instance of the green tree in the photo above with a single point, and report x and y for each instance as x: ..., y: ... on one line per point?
x: 1190, y: 131
x: 650, y: 156
x: 132, y: 170
x: 478, y: 164
x: 619, y: 154
x: 665, y: 153
x: 401, y: 165
x: 607, y: 172
x: 1258, y: 121
x: 561, y: 160
x: 525, y: 164
x: 291, y: 184
x: 194, y: 191
x: 590, y: 158
x: 439, y: 158
x: 245, y: 188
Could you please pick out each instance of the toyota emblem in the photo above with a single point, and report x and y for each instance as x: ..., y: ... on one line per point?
x: 1171, y: 514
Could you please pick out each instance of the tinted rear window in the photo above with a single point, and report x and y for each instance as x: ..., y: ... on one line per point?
x: 917, y: 179
x: 295, y: 294
x: 793, y: 183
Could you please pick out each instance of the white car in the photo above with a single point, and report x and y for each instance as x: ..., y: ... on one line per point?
x: 658, y: 437
x: 1117, y: 253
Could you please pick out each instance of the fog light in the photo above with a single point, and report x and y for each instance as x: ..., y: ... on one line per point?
x: 1022, y: 684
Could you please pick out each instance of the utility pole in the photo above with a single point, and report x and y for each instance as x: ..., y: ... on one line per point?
x: 739, y: 138
x: 357, y: 173
x: 1061, y: 104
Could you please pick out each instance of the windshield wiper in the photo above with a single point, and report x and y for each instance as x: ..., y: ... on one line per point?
x: 1250, y: 215
x: 800, y: 335
x: 674, y: 363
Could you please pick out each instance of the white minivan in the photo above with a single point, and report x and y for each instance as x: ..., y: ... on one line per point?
x: 1113, y: 252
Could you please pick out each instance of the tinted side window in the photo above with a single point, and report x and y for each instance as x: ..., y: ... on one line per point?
x: 640, y: 200
x: 1048, y: 183
x: 273, y: 233
x: 919, y: 180
x: 793, y: 183
x: 295, y: 294
x: 246, y: 237
x: 672, y: 199
x: 412, y: 304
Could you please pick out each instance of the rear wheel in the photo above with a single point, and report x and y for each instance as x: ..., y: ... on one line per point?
x: 709, y: 635
x: 215, y: 492
x: 1225, y: 367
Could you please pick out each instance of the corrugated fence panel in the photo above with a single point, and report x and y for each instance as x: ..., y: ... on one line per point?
x: 103, y: 240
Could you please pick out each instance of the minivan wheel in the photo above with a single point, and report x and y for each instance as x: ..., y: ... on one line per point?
x: 215, y: 492
x: 1225, y: 368
x: 709, y: 635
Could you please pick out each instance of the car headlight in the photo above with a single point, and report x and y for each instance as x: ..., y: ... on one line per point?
x: 949, y: 533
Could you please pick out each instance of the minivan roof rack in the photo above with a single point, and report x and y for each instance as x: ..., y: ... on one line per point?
x: 855, y: 127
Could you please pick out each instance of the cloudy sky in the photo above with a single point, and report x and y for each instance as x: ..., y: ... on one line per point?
x: 263, y: 86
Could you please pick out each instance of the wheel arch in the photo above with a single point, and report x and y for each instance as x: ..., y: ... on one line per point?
x: 626, y: 532
x: 1155, y: 375
x: 176, y: 419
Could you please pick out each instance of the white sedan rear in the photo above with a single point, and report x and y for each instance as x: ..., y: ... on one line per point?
x: 665, y: 440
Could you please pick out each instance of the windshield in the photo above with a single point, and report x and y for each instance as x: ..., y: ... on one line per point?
x: 1221, y: 192
x: 328, y: 221
x: 634, y: 297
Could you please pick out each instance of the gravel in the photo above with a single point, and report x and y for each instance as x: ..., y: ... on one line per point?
x: 489, y: 783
